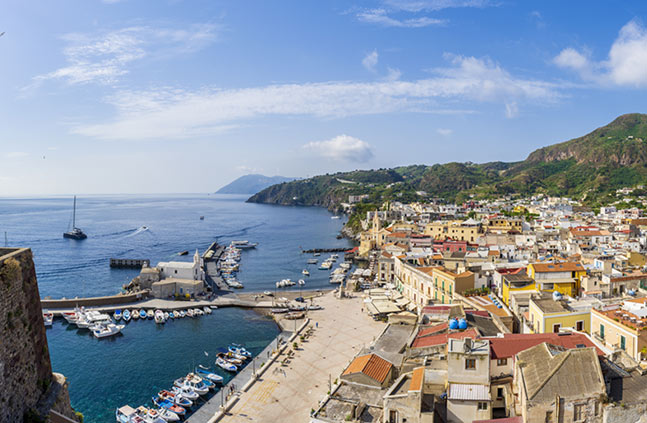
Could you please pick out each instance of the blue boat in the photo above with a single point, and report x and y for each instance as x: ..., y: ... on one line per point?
x: 239, y: 349
x: 142, y: 313
x: 126, y: 315
x: 171, y: 315
x: 169, y: 406
x: 206, y: 373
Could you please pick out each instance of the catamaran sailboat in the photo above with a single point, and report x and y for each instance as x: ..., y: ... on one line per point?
x: 75, y: 233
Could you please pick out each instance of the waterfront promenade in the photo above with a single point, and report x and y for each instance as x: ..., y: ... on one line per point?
x: 287, y: 392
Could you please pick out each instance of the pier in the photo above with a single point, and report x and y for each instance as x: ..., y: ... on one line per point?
x: 129, y: 263
x: 325, y: 250
x: 210, y: 258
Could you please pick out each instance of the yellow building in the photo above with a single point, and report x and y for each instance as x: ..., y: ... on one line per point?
x: 455, y: 229
x: 547, y: 315
x: 515, y: 282
x: 373, y: 238
x: 504, y: 225
x: 564, y: 277
x: 636, y: 259
x: 426, y: 285
x: 621, y: 327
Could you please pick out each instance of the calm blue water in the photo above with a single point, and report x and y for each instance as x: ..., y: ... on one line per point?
x: 129, y: 369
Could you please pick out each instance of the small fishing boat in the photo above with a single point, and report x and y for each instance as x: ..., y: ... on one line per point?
x: 230, y: 358
x: 48, y: 318
x: 70, y: 316
x: 166, y: 315
x: 169, y: 405
x: 135, y: 314
x: 205, y: 372
x: 171, y: 315
x: 197, y: 312
x: 168, y: 415
x: 316, y: 254
x: 239, y: 349
x: 295, y: 315
x: 268, y: 293
x: 186, y: 392
x: 117, y: 315
x: 244, y: 245
x: 206, y: 309
x: 224, y: 364
x: 177, y: 399
x: 305, y: 272
x: 151, y: 415
x: 126, y: 316
x: 143, y: 314
x: 127, y: 414
x: 150, y: 314
x: 196, y: 382
x: 312, y: 261
x: 314, y: 307
x: 107, y: 330
x: 279, y: 310
x: 189, y: 313
x: 184, y: 382
x: 301, y: 282
x: 201, y: 217
x: 159, y: 317
x: 183, y: 253
x: 182, y: 313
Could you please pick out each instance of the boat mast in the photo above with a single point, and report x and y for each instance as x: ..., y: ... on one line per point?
x: 74, y: 214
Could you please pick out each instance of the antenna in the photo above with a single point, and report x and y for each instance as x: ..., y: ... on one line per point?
x: 74, y: 214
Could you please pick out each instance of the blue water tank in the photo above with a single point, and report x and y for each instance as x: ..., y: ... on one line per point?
x: 462, y: 324
x: 453, y: 324
x: 631, y: 292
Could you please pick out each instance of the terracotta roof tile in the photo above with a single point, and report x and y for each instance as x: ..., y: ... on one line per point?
x: 417, y: 378
x: 513, y: 343
x: 371, y: 365
x: 430, y: 341
x: 558, y: 267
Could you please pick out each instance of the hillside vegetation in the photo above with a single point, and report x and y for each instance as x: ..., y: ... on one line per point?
x: 588, y: 168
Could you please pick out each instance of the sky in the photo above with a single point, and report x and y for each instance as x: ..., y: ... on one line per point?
x: 173, y: 96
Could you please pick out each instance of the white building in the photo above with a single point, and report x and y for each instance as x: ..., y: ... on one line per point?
x: 182, y: 270
x: 468, y: 375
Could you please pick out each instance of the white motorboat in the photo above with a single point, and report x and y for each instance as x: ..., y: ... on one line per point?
x: 117, y: 315
x: 305, y: 272
x: 71, y: 316
x: 203, y: 371
x: 168, y: 415
x: 301, y: 282
x: 186, y: 383
x: 166, y: 315
x: 150, y: 314
x: 312, y: 261
x: 224, y: 364
x: 48, y: 318
x: 206, y: 309
x: 186, y: 392
x: 189, y: 313
x: 107, y: 330
x: 159, y: 317
x: 243, y: 244
x: 182, y: 313
x: 197, y: 312
x: 126, y: 316
x: 135, y: 314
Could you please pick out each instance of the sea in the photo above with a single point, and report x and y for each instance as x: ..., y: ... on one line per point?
x: 132, y: 367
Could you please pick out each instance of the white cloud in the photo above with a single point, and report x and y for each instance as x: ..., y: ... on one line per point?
x: 433, y: 5
x: 444, y: 132
x: 370, y: 61
x: 626, y: 64
x: 103, y: 58
x: 174, y: 113
x: 381, y: 17
x: 342, y: 147
x: 511, y: 110
x: 393, y: 74
x: 16, y: 154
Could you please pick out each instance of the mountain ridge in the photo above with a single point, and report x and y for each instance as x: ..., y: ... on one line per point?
x: 252, y: 183
x: 588, y: 167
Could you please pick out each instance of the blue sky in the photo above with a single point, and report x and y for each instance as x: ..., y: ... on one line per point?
x: 136, y: 96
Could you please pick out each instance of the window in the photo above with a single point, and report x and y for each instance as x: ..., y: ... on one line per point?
x: 579, y: 325
x: 549, y: 417
x: 577, y: 412
x: 393, y: 416
x: 499, y: 393
x: 623, y: 342
x: 556, y: 328
x: 602, y: 331
x: 502, y: 362
x: 482, y: 405
x: 470, y: 364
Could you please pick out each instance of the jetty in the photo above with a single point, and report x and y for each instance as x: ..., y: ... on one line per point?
x: 326, y: 250
x: 210, y: 258
x: 129, y: 263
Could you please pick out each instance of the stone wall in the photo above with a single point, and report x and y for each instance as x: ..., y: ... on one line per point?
x: 68, y: 304
x: 25, y: 368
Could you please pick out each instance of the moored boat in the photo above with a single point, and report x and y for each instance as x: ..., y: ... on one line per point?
x: 224, y: 364
x: 150, y: 314
x: 305, y: 272
x: 206, y: 309
x: 48, y: 318
x: 143, y: 314
x: 159, y: 317
x: 239, y: 349
x: 205, y: 372
x: 169, y: 405
x: 126, y: 316
x: 117, y: 315
x: 102, y: 331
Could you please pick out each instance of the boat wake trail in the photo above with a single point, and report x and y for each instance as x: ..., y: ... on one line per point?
x: 115, y: 233
x: 138, y: 231
x: 241, y: 231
